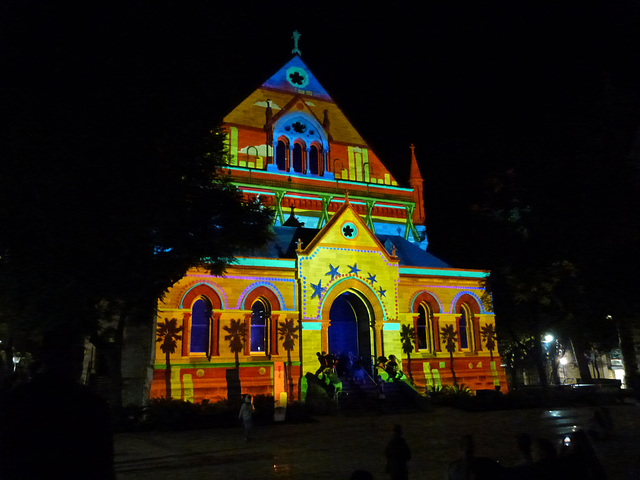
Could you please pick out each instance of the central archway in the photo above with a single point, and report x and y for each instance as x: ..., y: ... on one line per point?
x: 350, y: 330
x: 359, y: 308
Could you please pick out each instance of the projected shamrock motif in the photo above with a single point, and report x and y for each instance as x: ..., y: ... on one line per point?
x: 299, y: 127
x: 349, y: 230
x: 296, y: 78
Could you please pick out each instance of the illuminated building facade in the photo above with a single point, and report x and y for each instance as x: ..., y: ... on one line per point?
x: 347, y: 266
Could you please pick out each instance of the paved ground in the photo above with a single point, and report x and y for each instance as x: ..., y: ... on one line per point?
x: 332, y: 447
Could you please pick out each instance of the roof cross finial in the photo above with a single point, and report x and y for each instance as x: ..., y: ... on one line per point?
x: 295, y: 37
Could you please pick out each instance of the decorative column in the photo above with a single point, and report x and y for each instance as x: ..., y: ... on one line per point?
x: 377, y: 335
x: 273, y: 350
x: 247, y: 333
x: 186, y: 333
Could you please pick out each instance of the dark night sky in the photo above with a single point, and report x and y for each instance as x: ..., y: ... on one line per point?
x: 469, y: 83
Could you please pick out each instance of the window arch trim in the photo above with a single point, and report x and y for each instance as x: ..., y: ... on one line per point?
x: 202, y: 290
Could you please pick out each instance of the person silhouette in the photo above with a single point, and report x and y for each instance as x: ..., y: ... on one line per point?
x: 54, y: 427
x: 398, y: 454
x: 246, y: 415
x: 523, y: 469
x: 468, y: 466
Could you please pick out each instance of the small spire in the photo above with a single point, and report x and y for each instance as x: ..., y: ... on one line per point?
x: 269, y: 112
x: 415, y: 170
x: 299, y: 244
x: 295, y: 37
x: 346, y: 196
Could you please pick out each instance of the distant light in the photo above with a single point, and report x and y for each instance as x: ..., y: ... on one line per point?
x: 563, y: 361
x: 548, y: 338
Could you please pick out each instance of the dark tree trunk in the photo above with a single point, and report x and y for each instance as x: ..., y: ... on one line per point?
x: 453, y: 371
x: 583, y: 361
x: 539, y: 362
x: 167, y: 375
x: 409, y: 367
x: 115, y: 384
x: 289, y: 375
x: 629, y: 356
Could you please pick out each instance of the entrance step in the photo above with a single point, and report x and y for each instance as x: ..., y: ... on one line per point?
x: 389, y: 397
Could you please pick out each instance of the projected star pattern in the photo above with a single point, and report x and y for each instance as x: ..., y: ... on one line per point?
x: 334, y: 272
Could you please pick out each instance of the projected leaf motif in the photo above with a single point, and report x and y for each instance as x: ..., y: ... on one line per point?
x: 299, y: 127
x: 348, y: 231
x: 296, y: 78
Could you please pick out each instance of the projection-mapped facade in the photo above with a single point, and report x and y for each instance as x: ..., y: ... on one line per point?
x: 346, y: 273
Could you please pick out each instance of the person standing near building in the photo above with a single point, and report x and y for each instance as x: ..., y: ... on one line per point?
x: 398, y: 454
x: 246, y: 415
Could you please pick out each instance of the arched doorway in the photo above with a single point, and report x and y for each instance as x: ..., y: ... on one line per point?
x: 349, y: 335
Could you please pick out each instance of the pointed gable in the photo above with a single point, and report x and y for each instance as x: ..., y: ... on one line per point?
x: 346, y: 229
x: 277, y: 93
x: 296, y: 78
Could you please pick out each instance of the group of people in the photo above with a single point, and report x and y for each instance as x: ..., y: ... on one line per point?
x: 391, y: 366
x: 539, y: 459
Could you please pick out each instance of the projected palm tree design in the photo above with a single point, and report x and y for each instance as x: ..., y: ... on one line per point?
x: 237, y: 334
x: 449, y: 338
x: 288, y: 334
x: 168, y: 334
x: 407, y: 338
x: 488, y: 334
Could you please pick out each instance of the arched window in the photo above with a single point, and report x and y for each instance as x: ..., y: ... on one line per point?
x: 424, y: 327
x: 281, y: 155
x: 298, y: 158
x: 298, y: 130
x: 260, y: 316
x: 200, y: 326
x: 465, y: 327
x: 315, y: 160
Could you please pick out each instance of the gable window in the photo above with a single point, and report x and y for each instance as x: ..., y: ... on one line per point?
x: 465, y: 327
x: 260, y: 315
x: 281, y: 155
x: 300, y: 143
x: 424, y: 327
x: 314, y: 160
x: 298, y: 158
x: 200, y: 326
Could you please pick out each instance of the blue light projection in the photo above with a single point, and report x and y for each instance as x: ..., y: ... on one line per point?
x: 372, y: 279
x: 295, y: 77
x: 317, y: 289
x: 354, y: 269
x: 333, y: 271
x: 382, y: 292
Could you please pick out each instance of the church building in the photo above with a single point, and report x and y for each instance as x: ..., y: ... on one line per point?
x: 347, y: 271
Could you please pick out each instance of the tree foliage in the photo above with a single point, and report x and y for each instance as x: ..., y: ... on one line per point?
x: 288, y: 333
x: 236, y: 337
x: 407, y: 340
x: 449, y: 336
x: 112, y: 183
x: 168, y: 333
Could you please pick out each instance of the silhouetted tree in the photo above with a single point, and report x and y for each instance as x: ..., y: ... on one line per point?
x: 236, y: 338
x: 449, y: 339
x: 288, y: 334
x: 488, y: 333
x: 407, y: 338
x: 168, y: 334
